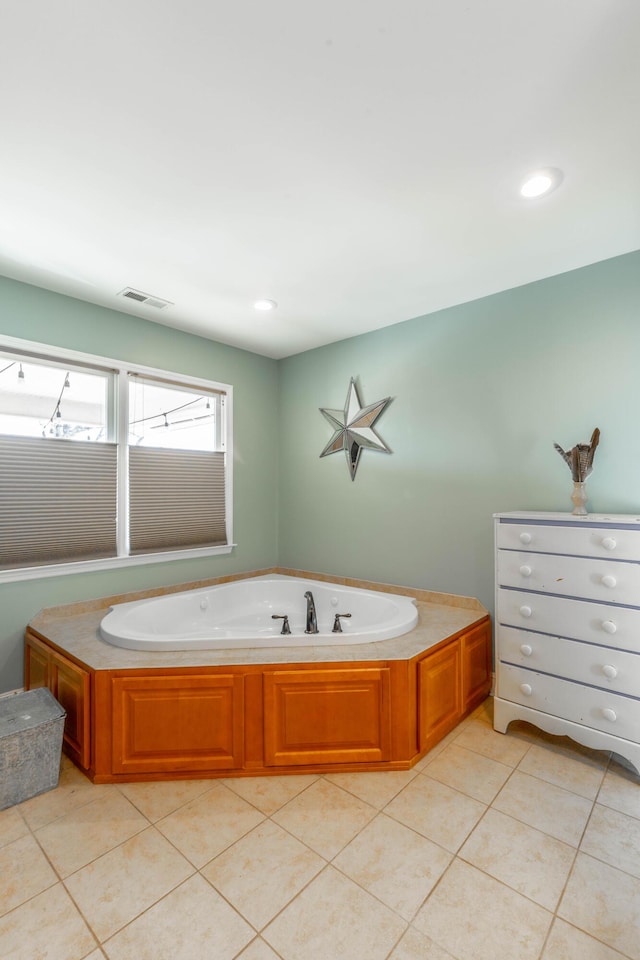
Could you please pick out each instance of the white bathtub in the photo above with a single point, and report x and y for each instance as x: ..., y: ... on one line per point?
x: 239, y: 615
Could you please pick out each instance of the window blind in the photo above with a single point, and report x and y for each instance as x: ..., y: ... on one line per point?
x: 176, y: 499
x: 57, y: 501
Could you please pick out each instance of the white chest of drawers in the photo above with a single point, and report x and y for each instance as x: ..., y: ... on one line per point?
x: 568, y: 627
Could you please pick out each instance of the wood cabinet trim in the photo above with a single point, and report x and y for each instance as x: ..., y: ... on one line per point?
x: 403, y: 726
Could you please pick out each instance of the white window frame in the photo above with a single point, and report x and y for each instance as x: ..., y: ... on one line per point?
x: 121, y: 371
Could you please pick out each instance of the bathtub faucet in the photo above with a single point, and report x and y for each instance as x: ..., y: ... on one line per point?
x: 312, y: 621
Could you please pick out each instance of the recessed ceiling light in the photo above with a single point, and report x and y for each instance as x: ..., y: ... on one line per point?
x: 265, y: 305
x: 541, y: 182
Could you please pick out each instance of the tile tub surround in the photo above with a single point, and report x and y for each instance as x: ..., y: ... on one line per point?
x: 74, y: 629
x: 491, y: 882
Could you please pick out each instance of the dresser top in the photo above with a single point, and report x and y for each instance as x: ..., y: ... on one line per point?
x: 597, y: 519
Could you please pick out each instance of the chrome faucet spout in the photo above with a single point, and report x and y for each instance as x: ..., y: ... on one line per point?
x: 312, y: 620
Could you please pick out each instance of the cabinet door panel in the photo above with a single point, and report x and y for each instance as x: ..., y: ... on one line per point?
x: 476, y: 665
x: 36, y: 665
x: 70, y: 686
x: 326, y: 716
x: 440, y: 694
x: 177, y: 723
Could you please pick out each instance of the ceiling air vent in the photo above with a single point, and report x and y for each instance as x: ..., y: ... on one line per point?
x: 130, y: 294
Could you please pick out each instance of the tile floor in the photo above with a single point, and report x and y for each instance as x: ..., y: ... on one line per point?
x: 516, y: 847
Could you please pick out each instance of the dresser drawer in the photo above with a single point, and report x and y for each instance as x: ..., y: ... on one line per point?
x: 578, y: 540
x: 600, y: 709
x: 612, y: 670
x: 607, y: 626
x: 604, y: 580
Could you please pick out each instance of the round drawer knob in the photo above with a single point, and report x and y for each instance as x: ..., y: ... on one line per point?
x: 526, y: 689
x: 609, y: 543
x: 526, y: 570
x: 526, y: 650
x: 525, y: 611
x: 609, y: 581
x: 609, y: 714
x: 610, y: 671
x: 609, y: 626
x: 525, y: 538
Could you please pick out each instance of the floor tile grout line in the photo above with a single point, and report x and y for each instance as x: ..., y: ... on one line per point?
x: 526, y: 896
x: 561, y: 786
x: 294, y: 797
x: 103, y: 943
x: 256, y: 939
x: 397, y: 942
x: 593, y: 936
x: 313, y: 850
x: 120, y: 843
x: 382, y: 773
x: 230, y: 904
x: 382, y: 902
x: 85, y: 919
x: 526, y: 823
x: 556, y: 915
x: 23, y: 903
x: 58, y: 883
x: 512, y: 770
x: 285, y: 906
x: 476, y: 753
x: 607, y: 863
x: 165, y: 815
x: 259, y: 930
x: 81, y: 912
x: 293, y: 836
x: 330, y: 862
x: 41, y: 826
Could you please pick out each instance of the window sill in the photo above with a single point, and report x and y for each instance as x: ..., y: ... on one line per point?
x: 109, y: 563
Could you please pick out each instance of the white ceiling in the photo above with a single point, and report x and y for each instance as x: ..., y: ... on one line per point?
x: 358, y: 161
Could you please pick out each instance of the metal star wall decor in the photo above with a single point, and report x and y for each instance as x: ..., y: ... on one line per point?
x: 354, y: 428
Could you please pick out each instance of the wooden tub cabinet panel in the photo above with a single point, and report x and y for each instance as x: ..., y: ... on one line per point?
x: 70, y: 684
x: 453, y: 680
x: 327, y: 716
x: 177, y: 723
x: 37, y: 663
x: 476, y: 665
x: 440, y: 694
x: 252, y: 720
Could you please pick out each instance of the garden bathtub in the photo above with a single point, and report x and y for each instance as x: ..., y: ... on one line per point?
x: 240, y: 615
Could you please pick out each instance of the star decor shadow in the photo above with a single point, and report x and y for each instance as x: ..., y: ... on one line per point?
x: 354, y: 428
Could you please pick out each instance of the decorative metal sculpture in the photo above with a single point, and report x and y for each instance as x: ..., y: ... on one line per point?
x: 354, y: 428
x: 580, y: 462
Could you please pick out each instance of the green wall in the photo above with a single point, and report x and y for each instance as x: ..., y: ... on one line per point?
x: 34, y: 314
x: 480, y: 393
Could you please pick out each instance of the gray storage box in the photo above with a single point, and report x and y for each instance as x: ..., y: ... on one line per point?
x: 31, y: 728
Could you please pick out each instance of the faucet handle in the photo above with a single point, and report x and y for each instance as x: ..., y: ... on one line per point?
x: 337, y: 626
x: 286, y: 629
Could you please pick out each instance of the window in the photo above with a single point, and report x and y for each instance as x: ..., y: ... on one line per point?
x: 108, y: 464
x: 176, y: 467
